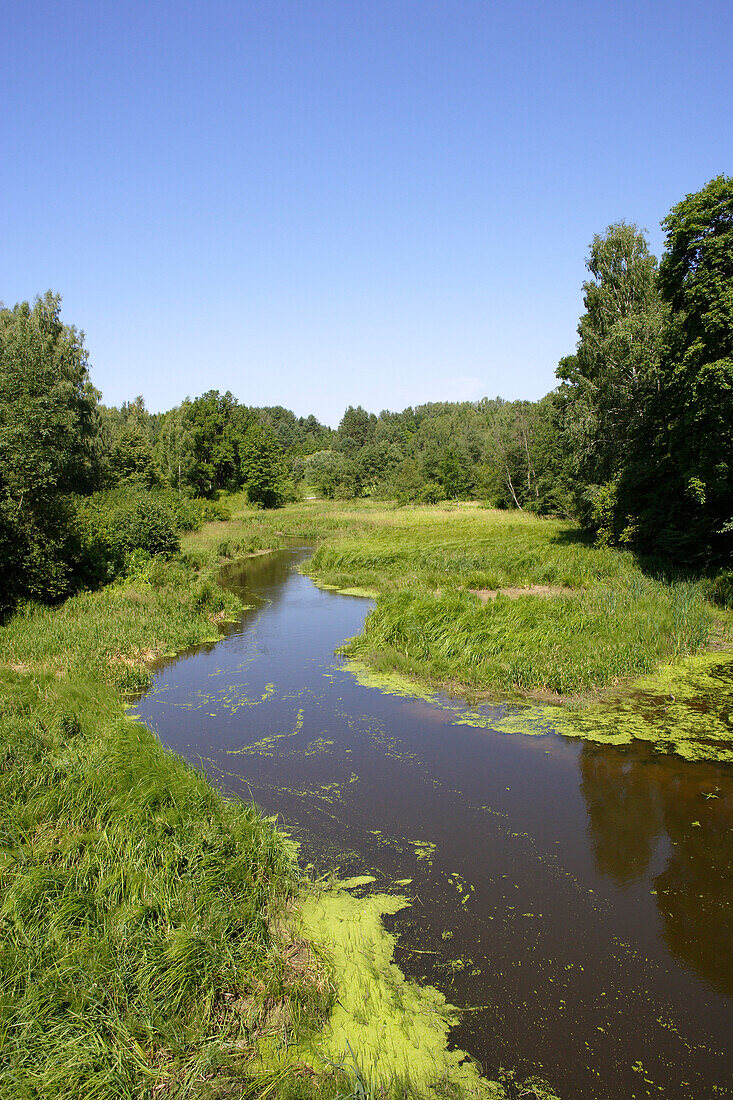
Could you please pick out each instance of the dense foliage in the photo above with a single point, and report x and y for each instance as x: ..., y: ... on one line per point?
x: 635, y: 443
x: 648, y: 420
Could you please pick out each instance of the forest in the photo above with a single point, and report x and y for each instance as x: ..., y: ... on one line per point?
x: 635, y: 443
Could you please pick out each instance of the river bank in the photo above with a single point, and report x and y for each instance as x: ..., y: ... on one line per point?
x: 494, y: 606
x: 572, y: 897
x: 142, y: 907
x: 145, y: 950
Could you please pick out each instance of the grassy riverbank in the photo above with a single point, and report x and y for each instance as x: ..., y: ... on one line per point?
x: 137, y: 952
x: 506, y: 606
x: 576, y: 619
x: 157, y: 939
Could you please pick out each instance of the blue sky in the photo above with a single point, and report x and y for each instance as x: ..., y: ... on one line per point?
x: 318, y: 203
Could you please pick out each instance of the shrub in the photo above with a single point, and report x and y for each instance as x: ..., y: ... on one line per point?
x: 112, y: 526
x: 721, y: 589
x: 431, y: 493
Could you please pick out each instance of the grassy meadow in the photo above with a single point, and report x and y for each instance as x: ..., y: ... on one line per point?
x: 594, y: 620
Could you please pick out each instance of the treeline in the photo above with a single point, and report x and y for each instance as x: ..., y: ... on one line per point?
x: 636, y: 442
x: 647, y: 421
x: 88, y: 492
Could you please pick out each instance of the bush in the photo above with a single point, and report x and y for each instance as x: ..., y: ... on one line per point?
x: 112, y: 526
x: 431, y: 493
x: 37, y: 550
x: 192, y: 512
x: 721, y: 589
x: 214, y: 510
x: 604, y: 501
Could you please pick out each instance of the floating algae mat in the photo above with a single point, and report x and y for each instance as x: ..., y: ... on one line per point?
x: 572, y: 896
x: 685, y: 708
x: 393, y: 1032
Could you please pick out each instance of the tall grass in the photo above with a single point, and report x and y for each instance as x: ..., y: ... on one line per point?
x: 112, y: 634
x: 136, y: 949
x: 146, y: 923
x: 567, y: 645
x: 612, y: 621
x: 138, y: 956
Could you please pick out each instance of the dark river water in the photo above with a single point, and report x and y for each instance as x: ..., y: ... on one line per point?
x: 574, y: 898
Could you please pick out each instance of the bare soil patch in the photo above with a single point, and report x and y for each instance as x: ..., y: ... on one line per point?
x: 545, y: 591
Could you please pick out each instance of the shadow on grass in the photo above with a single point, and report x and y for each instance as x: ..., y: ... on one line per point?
x: 658, y: 566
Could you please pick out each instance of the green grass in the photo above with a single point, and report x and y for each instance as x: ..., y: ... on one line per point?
x: 111, y: 634
x: 138, y: 956
x: 136, y: 911
x: 612, y: 623
x: 144, y: 947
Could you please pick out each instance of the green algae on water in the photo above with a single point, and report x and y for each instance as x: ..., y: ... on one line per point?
x: 394, y: 1030
x: 685, y: 708
x: 389, y: 683
x: 424, y: 850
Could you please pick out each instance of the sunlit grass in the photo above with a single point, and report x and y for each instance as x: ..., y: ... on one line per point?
x: 136, y: 906
x: 115, y: 632
x: 611, y: 621
x: 138, y: 955
x: 144, y: 947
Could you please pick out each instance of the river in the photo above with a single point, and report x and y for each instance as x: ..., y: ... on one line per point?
x: 574, y: 898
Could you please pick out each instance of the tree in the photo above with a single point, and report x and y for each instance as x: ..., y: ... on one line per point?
x: 356, y: 429
x: 454, y: 474
x: 48, y: 423
x: 407, y: 481
x: 693, y: 456
x: 174, y: 449
x: 327, y: 472
x: 613, y: 377
x: 263, y: 467
x: 131, y: 459
x: 522, y: 467
x: 47, y: 403
x: 215, y: 426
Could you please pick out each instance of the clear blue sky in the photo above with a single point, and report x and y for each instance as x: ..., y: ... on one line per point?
x: 323, y: 202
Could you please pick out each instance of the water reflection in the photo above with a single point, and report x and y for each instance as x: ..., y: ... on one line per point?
x: 645, y: 810
x: 624, y: 814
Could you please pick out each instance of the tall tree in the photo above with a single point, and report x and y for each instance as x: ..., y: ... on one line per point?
x: 356, y: 429
x: 215, y: 427
x: 613, y: 376
x: 47, y: 403
x: 686, y: 500
x: 263, y: 467
x: 47, y: 426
